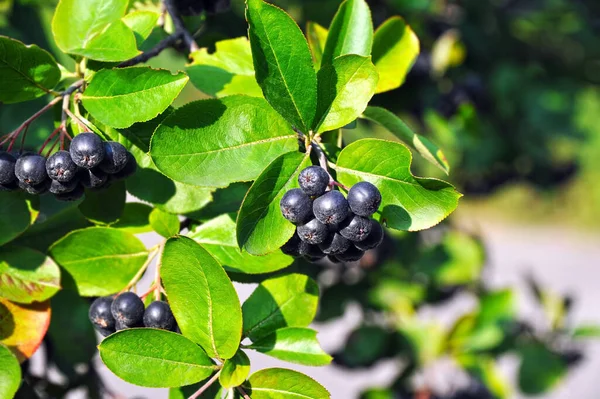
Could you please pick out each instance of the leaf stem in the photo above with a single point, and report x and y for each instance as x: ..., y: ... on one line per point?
x: 151, y: 255
x: 157, y: 283
x: 205, y: 386
x: 324, y: 163
x: 243, y: 392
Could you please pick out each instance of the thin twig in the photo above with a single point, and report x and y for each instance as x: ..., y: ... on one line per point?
x: 187, y: 38
x: 167, y: 42
x: 157, y: 284
x: 205, y: 386
x: 140, y: 273
x: 242, y: 392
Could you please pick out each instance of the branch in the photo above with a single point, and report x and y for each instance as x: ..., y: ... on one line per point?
x: 205, y: 386
x: 180, y: 29
x: 242, y: 392
x: 153, y: 52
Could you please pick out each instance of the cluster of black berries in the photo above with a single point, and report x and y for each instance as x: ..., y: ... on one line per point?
x: 90, y: 163
x: 329, y: 224
x: 127, y: 311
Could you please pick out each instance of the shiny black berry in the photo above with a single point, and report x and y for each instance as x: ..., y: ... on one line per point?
x: 296, y: 206
x: 313, y: 180
x: 60, y: 167
x: 93, y: 178
x: 31, y: 169
x: 335, y: 244
x: 74, y: 195
x: 311, y: 252
x: 7, y: 169
x: 158, y: 315
x: 128, y: 310
x: 374, y: 238
x: 35, y: 189
x: 57, y: 187
x: 313, y: 232
x: 128, y: 170
x: 115, y: 157
x: 331, y: 208
x: 292, y: 247
x: 87, y: 150
x: 356, y: 228
x: 101, y: 317
x: 364, y: 198
x: 351, y: 255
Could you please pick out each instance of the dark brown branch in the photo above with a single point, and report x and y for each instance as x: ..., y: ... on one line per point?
x: 153, y: 52
x: 180, y: 28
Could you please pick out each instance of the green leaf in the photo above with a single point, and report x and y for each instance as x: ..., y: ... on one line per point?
x: 425, y: 340
x: 261, y: 228
x: 284, y: 384
x: 165, y: 224
x: 409, y: 202
x: 155, y: 358
x: 104, y: 206
x: 225, y: 200
x: 121, y: 97
x: 98, y: 260
x: 23, y: 326
x: 485, y: 369
x: 540, y: 370
x: 208, y: 310
x: 213, y: 392
x: 350, y: 32
x: 421, y: 144
x: 27, y: 275
x: 217, y: 236
x: 141, y: 23
x: 283, y: 63
x: 98, y: 33
x: 285, y: 301
x: 345, y: 88
x: 295, y: 345
x: 587, y: 331
x: 395, y: 50
x: 135, y: 218
x: 317, y: 37
x: 235, y: 370
x: 227, y: 71
x: 10, y: 373
x: 26, y: 72
x: 15, y: 216
x: 205, y: 142
x: 140, y: 134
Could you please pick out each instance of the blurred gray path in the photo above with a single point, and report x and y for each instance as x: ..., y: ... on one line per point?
x: 567, y: 262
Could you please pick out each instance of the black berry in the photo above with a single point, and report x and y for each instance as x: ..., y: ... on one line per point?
x: 101, y: 316
x: 60, y: 167
x: 93, y: 178
x: 335, y: 244
x: 115, y: 157
x: 87, y: 150
x: 351, y: 255
x: 296, y: 206
x: 364, y: 198
x: 374, y: 238
x: 128, y: 170
x: 128, y: 310
x: 313, y: 180
x: 355, y: 228
x: 31, y: 169
x: 313, y: 232
x: 311, y: 252
x: 292, y: 247
x: 74, y: 195
x: 57, y: 187
x: 333, y: 259
x: 158, y: 315
x: 331, y: 208
x: 7, y: 169
x: 35, y: 189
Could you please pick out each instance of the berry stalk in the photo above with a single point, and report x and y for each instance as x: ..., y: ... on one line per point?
x: 206, y: 386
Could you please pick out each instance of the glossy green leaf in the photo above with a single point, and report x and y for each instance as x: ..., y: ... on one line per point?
x: 139, y: 134
x: 283, y: 63
x: 26, y: 72
x: 205, y: 142
x: 295, y: 345
x: 207, y: 311
x: 15, y: 215
x: 409, y: 202
x: 10, y: 373
x: 99, y: 33
x: 283, y: 384
x: 165, y: 224
x: 350, y: 32
x: 317, y: 37
x: 345, y: 88
x: 23, y: 326
x: 135, y: 218
x: 540, y: 369
x: 235, y: 370
x: 141, y: 23
x: 421, y: 144
x: 27, y: 275
x: 104, y: 206
x: 285, y: 301
x: 121, y: 97
x: 217, y: 236
x: 227, y: 71
x: 98, y: 260
x: 261, y: 228
x: 395, y: 50
x: 225, y: 200
x: 155, y: 358
x: 587, y: 331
